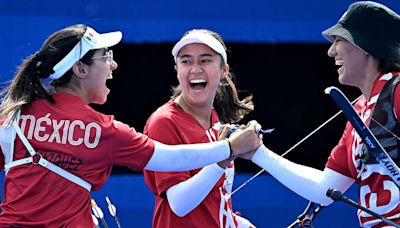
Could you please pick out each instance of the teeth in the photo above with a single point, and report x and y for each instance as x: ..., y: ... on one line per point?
x: 198, y: 81
x: 339, y: 62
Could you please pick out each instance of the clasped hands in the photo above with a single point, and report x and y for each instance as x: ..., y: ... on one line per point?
x: 244, y: 140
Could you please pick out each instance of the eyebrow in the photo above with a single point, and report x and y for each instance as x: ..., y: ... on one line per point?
x: 202, y: 55
x: 105, y: 51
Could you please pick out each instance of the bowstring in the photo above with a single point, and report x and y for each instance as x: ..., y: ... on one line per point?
x: 304, y: 139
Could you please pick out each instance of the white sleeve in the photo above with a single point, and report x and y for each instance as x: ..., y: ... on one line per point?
x: 187, y: 156
x: 308, y: 182
x: 187, y: 195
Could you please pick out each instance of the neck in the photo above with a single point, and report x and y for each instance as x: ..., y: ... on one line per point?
x: 201, y: 113
x: 370, y: 77
x: 73, y: 90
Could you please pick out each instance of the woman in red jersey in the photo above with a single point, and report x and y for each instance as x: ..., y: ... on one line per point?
x: 205, y: 97
x: 366, y: 47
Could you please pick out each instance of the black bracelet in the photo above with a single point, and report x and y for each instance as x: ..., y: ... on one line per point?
x: 231, y: 154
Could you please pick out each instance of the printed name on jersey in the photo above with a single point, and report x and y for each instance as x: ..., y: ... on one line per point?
x: 73, y: 132
x: 66, y: 162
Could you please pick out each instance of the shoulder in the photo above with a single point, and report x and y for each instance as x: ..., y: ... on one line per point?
x: 167, y: 124
x: 360, y: 104
x: 166, y: 115
x: 166, y: 111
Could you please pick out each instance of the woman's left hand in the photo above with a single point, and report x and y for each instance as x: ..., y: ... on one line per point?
x: 222, y: 134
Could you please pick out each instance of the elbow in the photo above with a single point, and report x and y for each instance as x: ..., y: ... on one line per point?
x: 178, y: 211
x: 316, y: 197
x: 319, y: 195
x: 325, y: 201
x: 178, y: 205
x: 181, y: 215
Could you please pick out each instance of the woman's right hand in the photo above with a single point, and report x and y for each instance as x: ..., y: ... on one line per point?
x: 245, y: 140
x: 249, y: 155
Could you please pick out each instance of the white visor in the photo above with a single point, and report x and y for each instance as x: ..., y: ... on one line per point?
x: 200, y: 38
x: 90, y: 40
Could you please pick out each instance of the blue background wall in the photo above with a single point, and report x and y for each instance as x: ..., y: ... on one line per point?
x: 264, y: 201
x: 25, y: 24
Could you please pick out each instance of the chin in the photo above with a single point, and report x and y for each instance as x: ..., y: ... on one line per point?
x: 100, y: 101
x: 343, y: 80
x: 103, y: 98
x: 347, y: 82
x: 103, y: 101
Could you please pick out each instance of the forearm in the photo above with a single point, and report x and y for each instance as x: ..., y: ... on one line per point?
x: 198, y: 187
x: 308, y: 182
x: 187, y: 157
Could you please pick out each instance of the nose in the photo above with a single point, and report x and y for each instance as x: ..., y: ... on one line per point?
x: 332, y: 50
x: 196, y: 68
x: 114, y: 65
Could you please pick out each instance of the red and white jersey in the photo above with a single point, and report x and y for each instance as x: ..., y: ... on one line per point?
x: 171, y: 125
x: 377, y: 191
x: 73, y: 136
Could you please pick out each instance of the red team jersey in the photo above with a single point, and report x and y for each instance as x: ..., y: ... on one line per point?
x: 73, y: 136
x: 171, y: 125
x: 377, y: 191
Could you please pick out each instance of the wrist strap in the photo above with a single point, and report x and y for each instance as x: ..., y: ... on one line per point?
x: 231, y: 154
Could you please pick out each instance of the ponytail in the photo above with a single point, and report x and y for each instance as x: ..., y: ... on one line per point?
x: 27, y: 84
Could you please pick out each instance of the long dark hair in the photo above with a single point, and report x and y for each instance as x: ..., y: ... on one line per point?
x: 26, y: 85
x: 227, y: 104
x: 386, y: 66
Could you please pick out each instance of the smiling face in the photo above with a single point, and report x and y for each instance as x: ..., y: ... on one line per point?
x: 352, y: 60
x: 98, y: 73
x: 200, y: 70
